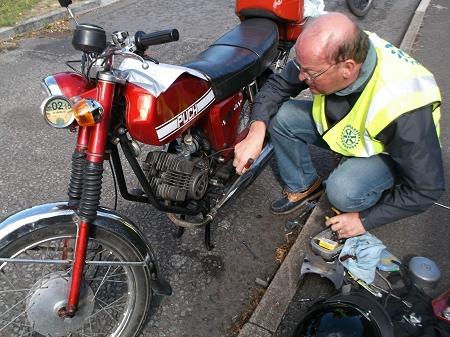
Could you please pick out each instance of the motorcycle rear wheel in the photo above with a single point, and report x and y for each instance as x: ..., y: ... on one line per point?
x: 359, y: 7
x: 114, y: 300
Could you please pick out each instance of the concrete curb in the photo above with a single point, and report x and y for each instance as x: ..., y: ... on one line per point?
x: 41, y: 21
x: 414, y: 26
x: 268, y: 314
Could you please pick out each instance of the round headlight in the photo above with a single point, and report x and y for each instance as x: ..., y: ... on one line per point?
x: 57, y: 111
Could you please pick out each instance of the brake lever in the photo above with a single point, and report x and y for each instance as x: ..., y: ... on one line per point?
x: 151, y: 59
x: 125, y: 53
x: 125, y: 46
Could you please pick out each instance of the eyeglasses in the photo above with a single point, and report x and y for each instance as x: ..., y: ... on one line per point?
x: 311, y: 77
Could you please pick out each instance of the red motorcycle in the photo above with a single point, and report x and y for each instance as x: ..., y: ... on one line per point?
x: 77, y: 269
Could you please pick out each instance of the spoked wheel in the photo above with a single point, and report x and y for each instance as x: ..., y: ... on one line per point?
x: 359, y: 7
x: 114, y: 299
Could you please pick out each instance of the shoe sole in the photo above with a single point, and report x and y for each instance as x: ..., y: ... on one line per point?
x: 312, y: 197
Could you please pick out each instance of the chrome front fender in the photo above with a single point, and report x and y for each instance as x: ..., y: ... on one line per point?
x: 36, y: 217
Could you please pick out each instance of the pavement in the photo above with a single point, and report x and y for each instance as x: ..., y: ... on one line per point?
x: 277, y: 313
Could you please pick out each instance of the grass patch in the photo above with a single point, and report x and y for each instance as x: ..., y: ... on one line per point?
x: 12, y: 11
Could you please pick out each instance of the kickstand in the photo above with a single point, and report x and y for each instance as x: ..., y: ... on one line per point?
x: 208, y: 244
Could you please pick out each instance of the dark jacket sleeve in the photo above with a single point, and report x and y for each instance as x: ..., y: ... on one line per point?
x: 277, y: 89
x: 414, y: 147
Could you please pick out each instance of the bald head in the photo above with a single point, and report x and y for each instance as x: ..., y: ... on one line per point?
x: 334, y: 37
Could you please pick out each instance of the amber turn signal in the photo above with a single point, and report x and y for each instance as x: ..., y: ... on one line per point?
x: 87, y: 112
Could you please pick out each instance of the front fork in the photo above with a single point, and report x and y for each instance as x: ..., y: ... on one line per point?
x: 85, y: 186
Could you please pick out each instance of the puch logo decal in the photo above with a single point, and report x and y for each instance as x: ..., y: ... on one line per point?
x: 173, y: 125
x: 349, y: 137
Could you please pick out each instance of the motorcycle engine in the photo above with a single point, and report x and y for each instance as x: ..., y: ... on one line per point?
x: 176, y: 178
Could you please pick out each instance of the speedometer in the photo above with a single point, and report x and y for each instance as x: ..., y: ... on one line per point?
x: 57, y: 111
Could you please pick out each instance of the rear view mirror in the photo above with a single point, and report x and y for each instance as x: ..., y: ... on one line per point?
x: 65, y: 3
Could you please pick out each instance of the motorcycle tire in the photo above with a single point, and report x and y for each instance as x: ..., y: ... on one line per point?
x: 359, y: 7
x: 114, y: 299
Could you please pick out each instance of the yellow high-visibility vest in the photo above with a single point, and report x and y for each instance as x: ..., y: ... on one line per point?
x: 398, y: 85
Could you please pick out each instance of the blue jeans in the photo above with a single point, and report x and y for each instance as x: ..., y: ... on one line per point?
x: 356, y: 184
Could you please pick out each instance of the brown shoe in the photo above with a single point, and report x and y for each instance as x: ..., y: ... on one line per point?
x: 293, y: 201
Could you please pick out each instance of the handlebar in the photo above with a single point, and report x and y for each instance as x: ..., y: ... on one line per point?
x: 144, y: 40
x: 127, y: 46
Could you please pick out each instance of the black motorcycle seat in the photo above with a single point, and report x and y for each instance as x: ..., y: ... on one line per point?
x: 239, y: 56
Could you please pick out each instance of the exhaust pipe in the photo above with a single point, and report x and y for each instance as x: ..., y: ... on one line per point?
x: 239, y: 184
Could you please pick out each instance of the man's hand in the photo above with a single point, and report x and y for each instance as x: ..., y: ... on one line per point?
x: 346, y: 225
x: 250, y: 147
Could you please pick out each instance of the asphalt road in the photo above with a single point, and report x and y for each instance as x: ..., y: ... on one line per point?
x: 212, y: 290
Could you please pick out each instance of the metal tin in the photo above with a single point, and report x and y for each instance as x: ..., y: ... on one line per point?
x: 424, y: 272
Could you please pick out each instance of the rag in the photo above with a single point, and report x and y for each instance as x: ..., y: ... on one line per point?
x: 360, y: 256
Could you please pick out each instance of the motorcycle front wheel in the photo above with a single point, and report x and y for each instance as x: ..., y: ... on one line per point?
x: 359, y: 7
x: 114, y: 299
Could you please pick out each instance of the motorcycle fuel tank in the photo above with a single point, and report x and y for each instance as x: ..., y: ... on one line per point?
x: 159, y: 120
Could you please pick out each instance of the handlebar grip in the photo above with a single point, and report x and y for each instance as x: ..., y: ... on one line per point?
x: 144, y: 40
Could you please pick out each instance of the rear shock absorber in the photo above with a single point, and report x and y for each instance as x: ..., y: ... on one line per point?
x: 76, y: 178
x: 92, y: 185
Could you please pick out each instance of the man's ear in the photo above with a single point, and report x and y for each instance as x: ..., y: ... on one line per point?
x: 349, y: 68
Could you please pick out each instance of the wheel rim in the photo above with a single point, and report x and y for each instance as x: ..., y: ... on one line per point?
x: 111, y: 287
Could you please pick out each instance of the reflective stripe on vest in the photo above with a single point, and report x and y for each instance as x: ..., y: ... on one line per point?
x: 398, y: 85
